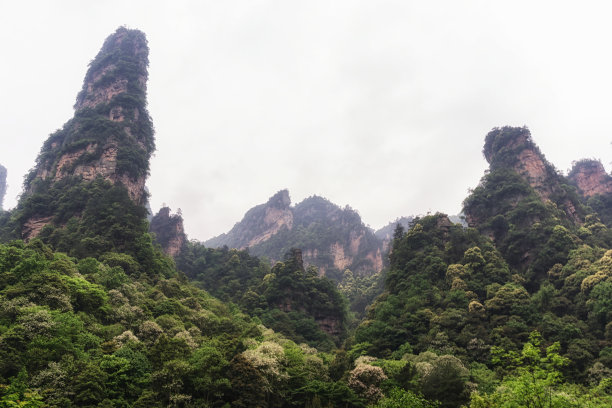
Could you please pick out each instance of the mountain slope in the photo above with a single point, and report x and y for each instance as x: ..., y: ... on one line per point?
x: 523, y: 286
x: 385, y: 234
x: 93, y: 314
x: 594, y: 186
x: 331, y: 238
x: 529, y: 209
x: 86, y: 193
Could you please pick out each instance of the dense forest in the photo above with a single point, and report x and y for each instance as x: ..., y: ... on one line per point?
x: 101, y: 308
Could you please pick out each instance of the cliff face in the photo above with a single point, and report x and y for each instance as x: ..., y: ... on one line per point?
x: 169, y: 231
x: 2, y: 185
x: 259, y: 224
x: 110, y: 136
x: 591, y: 178
x: 331, y: 238
x: 512, y: 149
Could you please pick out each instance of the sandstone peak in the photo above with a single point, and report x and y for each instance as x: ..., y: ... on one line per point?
x: 110, y: 136
x: 330, y: 237
x: 120, y: 66
x: 169, y: 231
x: 280, y: 200
x: 590, y: 177
x: 513, y: 148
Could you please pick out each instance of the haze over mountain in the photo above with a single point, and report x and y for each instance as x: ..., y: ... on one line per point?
x: 331, y: 238
x: 511, y: 310
x: 94, y: 314
x: 360, y: 94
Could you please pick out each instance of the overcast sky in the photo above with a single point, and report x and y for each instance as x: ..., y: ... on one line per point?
x: 381, y: 105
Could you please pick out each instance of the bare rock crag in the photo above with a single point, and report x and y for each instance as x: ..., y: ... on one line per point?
x: 591, y: 178
x: 331, y: 238
x: 111, y: 133
x: 169, y: 231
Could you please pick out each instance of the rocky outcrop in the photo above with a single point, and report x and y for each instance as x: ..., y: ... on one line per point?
x: 33, y: 226
x: 591, y: 178
x: 331, y: 238
x: 513, y: 148
x: 2, y: 185
x: 259, y: 224
x: 274, y: 220
x: 111, y: 134
x: 111, y: 126
x: 169, y: 231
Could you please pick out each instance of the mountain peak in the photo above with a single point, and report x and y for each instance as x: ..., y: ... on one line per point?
x: 109, y: 139
x: 512, y: 148
x: 120, y: 67
x: 590, y: 177
x: 280, y: 200
x: 169, y: 231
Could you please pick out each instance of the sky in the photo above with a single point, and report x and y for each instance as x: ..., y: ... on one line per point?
x: 380, y: 105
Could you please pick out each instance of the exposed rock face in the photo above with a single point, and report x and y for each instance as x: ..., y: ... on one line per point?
x: 259, y: 224
x: 521, y: 201
x: 111, y: 134
x: 591, y: 178
x: 169, y: 231
x: 331, y: 238
x: 329, y: 325
x: 117, y: 91
x: 513, y: 148
x: 34, y: 225
x: 2, y: 185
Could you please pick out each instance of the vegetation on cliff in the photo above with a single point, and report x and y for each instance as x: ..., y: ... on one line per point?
x: 514, y: 310
x: 74, y: 188
x: 331, y: 238
x: 286, y: 297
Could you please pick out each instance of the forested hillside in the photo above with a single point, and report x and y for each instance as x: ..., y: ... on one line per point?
x: 100, y: 308
x: 518, y: 303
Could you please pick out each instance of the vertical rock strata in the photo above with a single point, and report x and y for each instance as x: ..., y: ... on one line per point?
x: 169, y: 231
x: 111, y: 134
x: 331, y: 238
x: 591, y: 178
x: 512, y: 148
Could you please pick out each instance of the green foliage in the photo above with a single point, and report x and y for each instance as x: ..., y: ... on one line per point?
x: 535, y: 380
x: 317, y: 225
x: 287, y: 298
x: 84, y: 333
x: 399, y: 398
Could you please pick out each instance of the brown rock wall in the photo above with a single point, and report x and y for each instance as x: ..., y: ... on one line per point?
x: 591, y: 178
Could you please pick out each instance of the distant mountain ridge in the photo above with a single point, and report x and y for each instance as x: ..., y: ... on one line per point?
x: 331, y: 238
